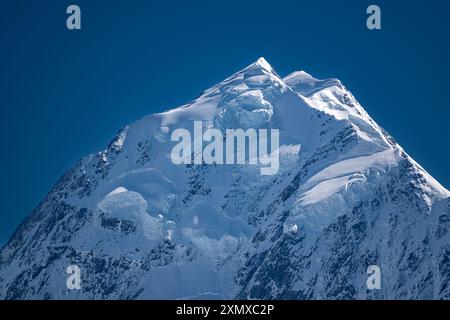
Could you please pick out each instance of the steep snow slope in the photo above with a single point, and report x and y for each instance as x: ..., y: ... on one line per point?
x: 346, y: 197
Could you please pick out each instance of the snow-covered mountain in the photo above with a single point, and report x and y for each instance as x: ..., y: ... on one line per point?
x: 346, y: 196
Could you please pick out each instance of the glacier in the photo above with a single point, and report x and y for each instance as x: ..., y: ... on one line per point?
x: 346, y: 196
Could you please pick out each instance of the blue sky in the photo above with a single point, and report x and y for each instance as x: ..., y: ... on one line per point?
x: 64, y: 94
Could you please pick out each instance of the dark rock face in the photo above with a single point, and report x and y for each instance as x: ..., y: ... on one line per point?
x: 347, y: 247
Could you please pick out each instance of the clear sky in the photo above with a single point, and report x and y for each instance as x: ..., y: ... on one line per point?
x: 64, y: 94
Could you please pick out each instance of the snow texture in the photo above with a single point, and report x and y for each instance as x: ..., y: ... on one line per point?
x: 139, y: 227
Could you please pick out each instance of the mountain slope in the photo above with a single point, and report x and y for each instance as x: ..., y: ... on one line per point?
x: 346, y: 196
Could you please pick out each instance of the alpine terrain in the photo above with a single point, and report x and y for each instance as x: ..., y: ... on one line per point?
x: 346, y: 196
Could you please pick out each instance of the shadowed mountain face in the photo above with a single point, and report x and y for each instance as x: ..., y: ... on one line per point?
x: 346, y: 196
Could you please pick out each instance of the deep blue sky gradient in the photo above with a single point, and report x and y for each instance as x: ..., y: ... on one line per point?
x: 64, y: 94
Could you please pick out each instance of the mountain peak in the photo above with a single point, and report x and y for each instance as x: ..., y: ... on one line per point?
x: 346, y: 197
x: 260, y: 64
